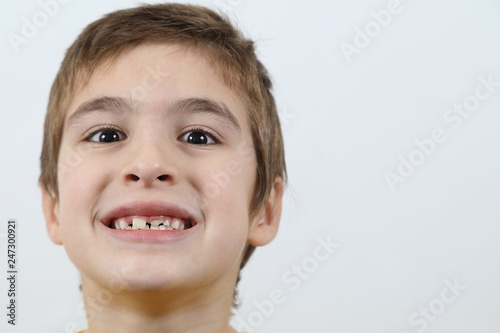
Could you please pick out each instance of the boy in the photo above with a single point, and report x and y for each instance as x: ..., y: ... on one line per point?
x: 162, y: 167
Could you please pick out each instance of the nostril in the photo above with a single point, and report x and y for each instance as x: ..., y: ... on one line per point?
x: 133, y: 177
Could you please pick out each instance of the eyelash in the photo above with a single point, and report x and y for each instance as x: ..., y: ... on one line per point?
x: 200, y: 129
x: 102, y: 129
x: 205, y: 131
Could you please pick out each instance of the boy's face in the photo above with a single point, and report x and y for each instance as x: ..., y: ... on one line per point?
x: 176, y: 143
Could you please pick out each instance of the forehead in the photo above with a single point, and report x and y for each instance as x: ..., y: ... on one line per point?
x: 150, y: 75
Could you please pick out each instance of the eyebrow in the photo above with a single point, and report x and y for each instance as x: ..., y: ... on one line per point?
x: 106, y: 104
x: 201, y: 105
x: 188, y: 105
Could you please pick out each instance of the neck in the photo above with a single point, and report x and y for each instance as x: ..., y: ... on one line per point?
x: 206, y: 309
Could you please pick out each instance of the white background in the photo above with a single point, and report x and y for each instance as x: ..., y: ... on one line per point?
x: 345, y: 125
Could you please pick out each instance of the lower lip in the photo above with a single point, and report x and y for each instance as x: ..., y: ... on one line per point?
x: 151, y: 236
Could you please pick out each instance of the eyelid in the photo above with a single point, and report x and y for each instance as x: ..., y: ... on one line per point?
x: 91, y: 133
x: 199, y: 128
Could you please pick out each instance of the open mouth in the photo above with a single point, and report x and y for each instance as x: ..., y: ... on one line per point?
x: 150, y: 223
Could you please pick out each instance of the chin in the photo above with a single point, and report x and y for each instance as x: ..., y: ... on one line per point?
x: 150, y: 278
x: 146, y: 287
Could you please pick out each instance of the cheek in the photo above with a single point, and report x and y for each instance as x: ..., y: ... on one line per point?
x: 228, y: 183
x: 79, y: 186
x: 227, y: 188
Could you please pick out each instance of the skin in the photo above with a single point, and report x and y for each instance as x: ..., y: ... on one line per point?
x: 180, y: 286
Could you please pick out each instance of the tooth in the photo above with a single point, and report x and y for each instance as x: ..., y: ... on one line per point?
x: 169, y: 228
x: 123, y: 224
x: 156, y: 222
x: 129, y: 227
x: 177, y: 224
x: 115, y: 225
x: 167, y: 221
x: 154, y: 227
x: 138, y: 223
x: 162, y: 227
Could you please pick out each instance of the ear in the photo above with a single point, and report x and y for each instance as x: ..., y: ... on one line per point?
x: 51, y: 212
x: 265, y: 226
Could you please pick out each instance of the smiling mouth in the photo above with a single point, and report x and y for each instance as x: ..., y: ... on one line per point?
x: 150, y: 223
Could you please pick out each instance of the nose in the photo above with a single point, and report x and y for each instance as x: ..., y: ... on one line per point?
x: 149, y: 162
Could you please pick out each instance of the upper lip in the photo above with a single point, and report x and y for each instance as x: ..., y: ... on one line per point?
x: 148, y: 208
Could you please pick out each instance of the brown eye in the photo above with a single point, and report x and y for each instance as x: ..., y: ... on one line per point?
x: 106, y: 136
x: 198, y: 138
